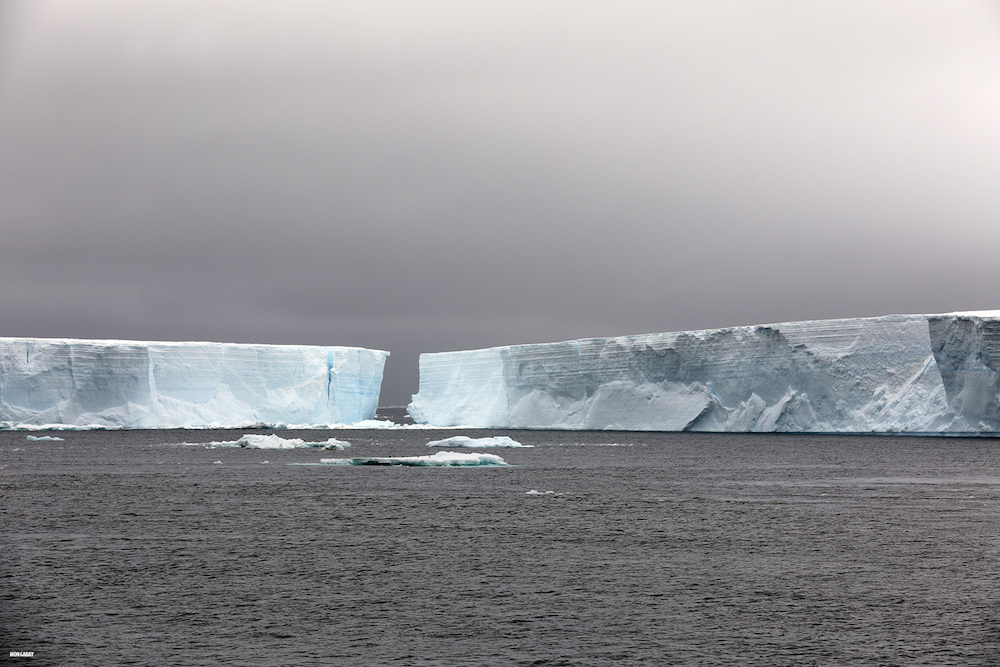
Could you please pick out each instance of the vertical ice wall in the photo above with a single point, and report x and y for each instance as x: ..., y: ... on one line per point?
x: 890, y: 374
x: 967, y: 351
x: 136, y: 384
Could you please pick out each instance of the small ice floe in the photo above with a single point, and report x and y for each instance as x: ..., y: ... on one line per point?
x: 533, y: 492
x: 381, y: 423
x: 369, y: 424
x: 277, y: 442
x: 257, y: 441
x: 44, y: 438
x: 439, y: 459
x: 263, y: 462
x: 339, y: 445
x: 466, y: 441
x: 214, y: 462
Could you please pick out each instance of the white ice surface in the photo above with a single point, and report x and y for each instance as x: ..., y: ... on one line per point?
x: 466, y: 441
x: 44, y: 438
x: 72, y: 383
x: 900, y: 373
x: 369, y: 424
x: 256, y: 441
x: 438, y: 459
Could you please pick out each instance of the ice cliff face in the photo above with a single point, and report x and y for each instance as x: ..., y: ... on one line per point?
x: 168, y: 385
x: 902, y: 373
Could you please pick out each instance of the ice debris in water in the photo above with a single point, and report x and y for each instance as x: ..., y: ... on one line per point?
x: 533, y: 492
x: 372, y: 424
x: 899, y: 373
x: 137, y: 384
x: 255, y: 441
x: 44, y: 438
x: 466, y: 441
x: 277, y: 442
x: 438, y: 459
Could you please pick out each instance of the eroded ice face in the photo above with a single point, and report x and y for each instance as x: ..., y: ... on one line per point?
x: 133, y: 384
x: 901, y: 373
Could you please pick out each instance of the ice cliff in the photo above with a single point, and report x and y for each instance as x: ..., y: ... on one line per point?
x: 901, y: 373
x: 133, y: 384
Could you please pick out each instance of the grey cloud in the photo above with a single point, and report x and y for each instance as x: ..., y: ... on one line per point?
x: 419, y: 177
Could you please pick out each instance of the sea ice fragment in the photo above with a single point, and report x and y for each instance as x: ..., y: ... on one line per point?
x: 438, y: 459
x: 466, y: 441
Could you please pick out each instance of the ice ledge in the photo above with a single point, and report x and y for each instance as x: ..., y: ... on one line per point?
x: 892, y: 374
x: 140, y: 384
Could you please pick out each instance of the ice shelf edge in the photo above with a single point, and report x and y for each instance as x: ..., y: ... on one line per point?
x: 893, y: 374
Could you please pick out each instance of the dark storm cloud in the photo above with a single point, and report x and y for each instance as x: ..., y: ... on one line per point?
x: 420, y: 177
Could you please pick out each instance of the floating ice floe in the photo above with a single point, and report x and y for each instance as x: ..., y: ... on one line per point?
x: 386, y: 424
x: 44, y: 438
x: 439, y: 459
x: 255, y: 441
x: 466, y: 441
x: 533, y: 492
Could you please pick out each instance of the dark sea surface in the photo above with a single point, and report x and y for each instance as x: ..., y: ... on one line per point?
x: 127, y: 548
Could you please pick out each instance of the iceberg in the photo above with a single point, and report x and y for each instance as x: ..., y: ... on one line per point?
x: 894, y: 374
x: 133, y: 384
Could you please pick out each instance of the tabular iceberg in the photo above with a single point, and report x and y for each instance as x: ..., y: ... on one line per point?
x: 900, y: 373
x: 133, y: 384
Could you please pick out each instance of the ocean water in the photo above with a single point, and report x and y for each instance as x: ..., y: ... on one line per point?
x: 129, y: 548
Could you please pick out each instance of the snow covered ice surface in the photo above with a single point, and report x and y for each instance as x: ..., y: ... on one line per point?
x: 438, y: 459
x: 133, y: 384
x: 466, y: 441
x: 899, y: 373
x: 255, y: 441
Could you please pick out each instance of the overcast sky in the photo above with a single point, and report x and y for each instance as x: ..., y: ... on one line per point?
x: 427, y: 176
